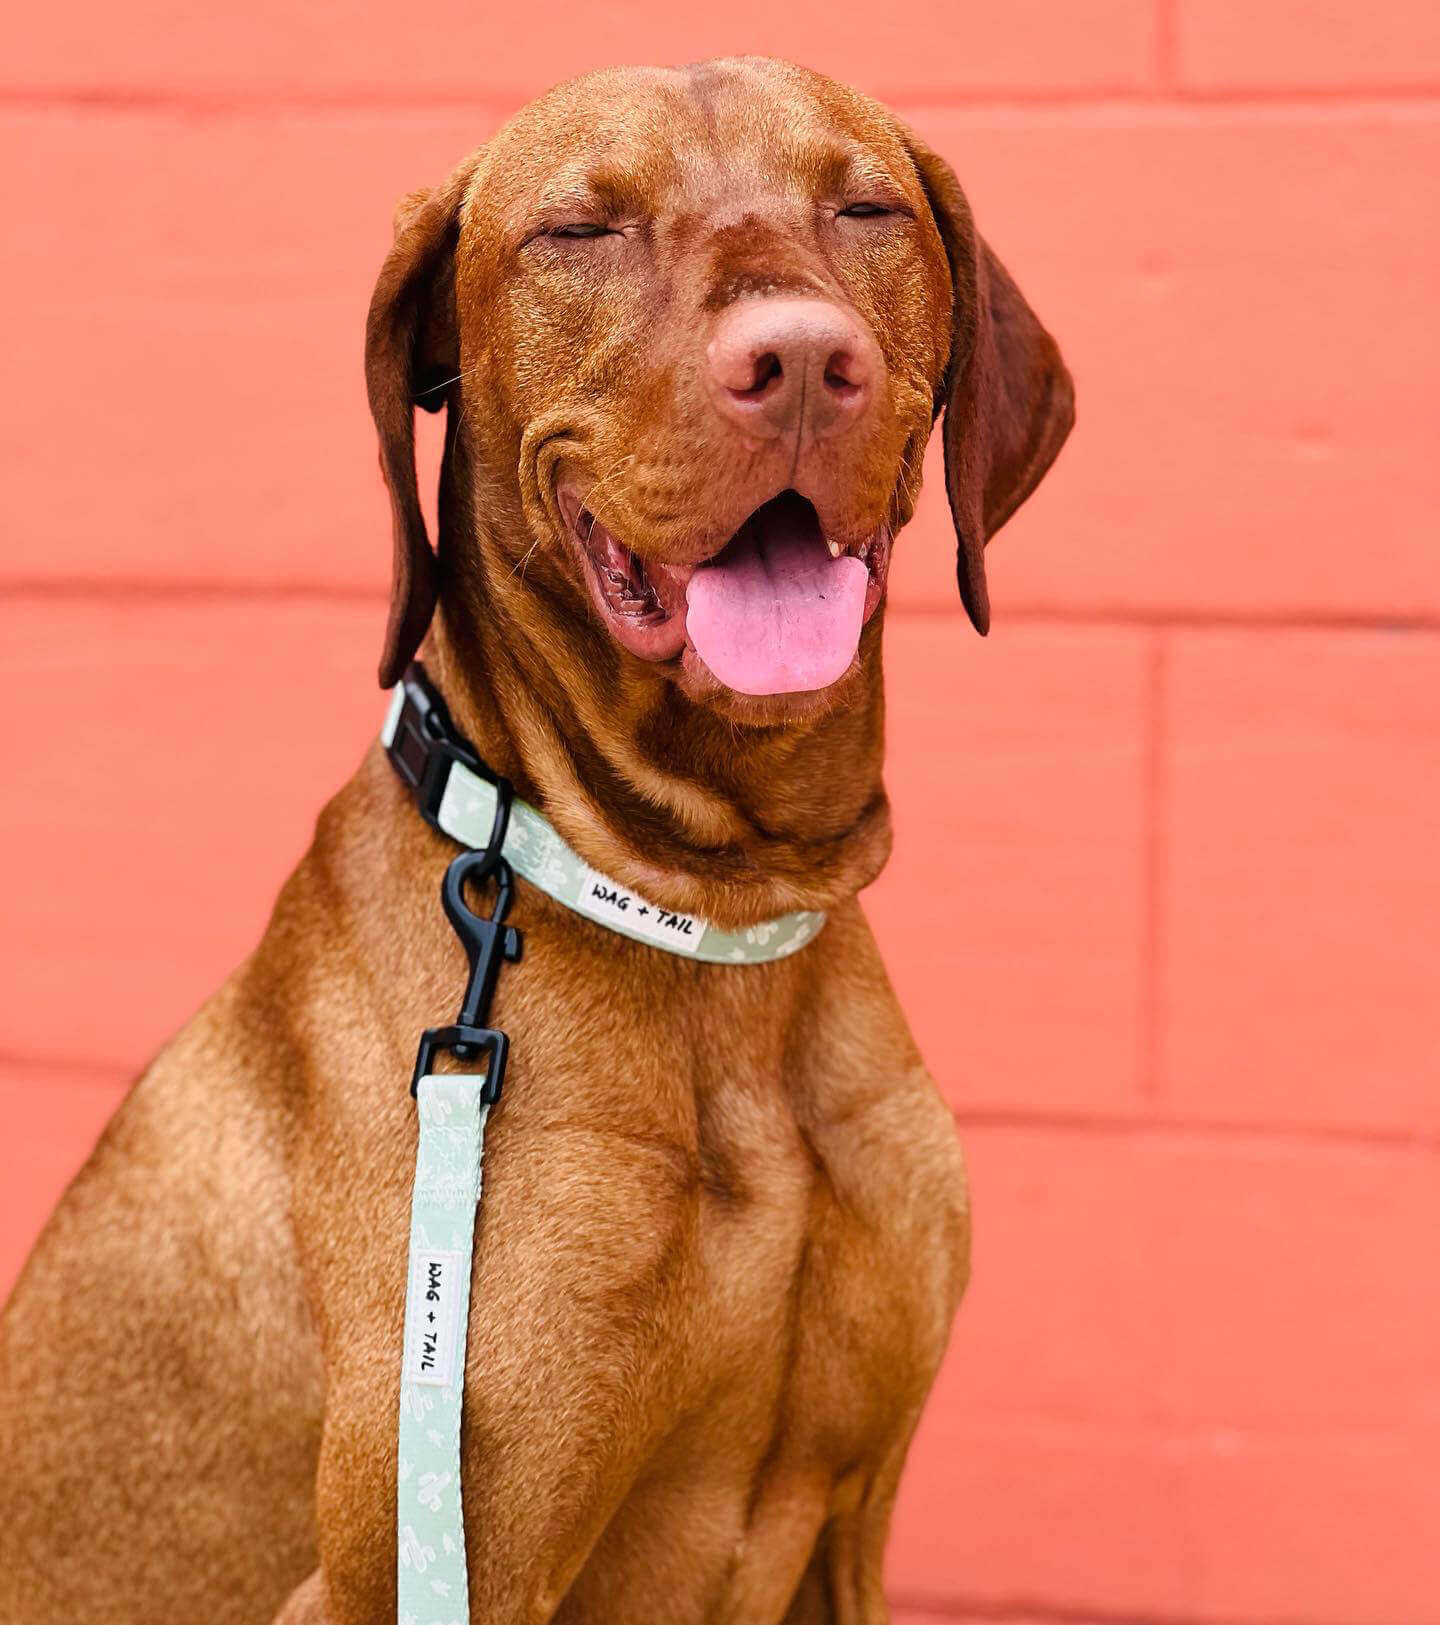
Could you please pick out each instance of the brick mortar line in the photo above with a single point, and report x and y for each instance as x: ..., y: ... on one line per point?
x: 66, y: 1071
x: 1117, y: 615
x: 1001, y: 1610
x: 1195, y: 1436
x: 499, y: 103
x: 162, y: 591
x: 1159, y: 1128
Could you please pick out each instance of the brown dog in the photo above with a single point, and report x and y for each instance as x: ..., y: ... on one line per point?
x: 682, y: 322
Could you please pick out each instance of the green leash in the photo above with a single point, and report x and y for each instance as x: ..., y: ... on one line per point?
x: 432, y: 1574
x: 503, y: 836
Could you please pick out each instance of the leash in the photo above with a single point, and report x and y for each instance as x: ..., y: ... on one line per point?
x: 502, y: 836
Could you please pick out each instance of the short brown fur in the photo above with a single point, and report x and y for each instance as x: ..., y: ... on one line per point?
x: 725, y: 1227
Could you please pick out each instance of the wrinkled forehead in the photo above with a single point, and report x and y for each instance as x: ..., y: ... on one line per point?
x: 639, y: 140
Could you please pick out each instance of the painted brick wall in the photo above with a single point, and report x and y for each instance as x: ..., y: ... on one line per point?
x: 1164, y: 903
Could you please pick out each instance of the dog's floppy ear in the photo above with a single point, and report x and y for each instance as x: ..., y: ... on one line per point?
x: 412, y: 351
x: 1008, y: 400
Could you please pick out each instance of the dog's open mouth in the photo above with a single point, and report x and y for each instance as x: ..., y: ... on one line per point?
x: 777, y: 610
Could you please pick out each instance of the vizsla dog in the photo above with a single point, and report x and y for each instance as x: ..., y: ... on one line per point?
x: 691, y: 329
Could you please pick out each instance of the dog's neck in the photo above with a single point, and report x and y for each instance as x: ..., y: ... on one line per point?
x: 732, y: 822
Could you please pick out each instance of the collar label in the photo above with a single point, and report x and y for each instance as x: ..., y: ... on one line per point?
x: 607, y: 902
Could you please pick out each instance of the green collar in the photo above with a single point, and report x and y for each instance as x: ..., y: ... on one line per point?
x: 459, y: 796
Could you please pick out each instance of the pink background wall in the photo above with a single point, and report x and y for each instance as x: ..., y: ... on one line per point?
x: 1164, y: 902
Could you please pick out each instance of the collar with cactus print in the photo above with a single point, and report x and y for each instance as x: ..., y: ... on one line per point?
x: 461, y: 798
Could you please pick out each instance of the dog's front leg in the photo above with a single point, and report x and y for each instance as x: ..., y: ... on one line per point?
x: 306, y: 1604
x: 569, y: 1387
x: 532, y: 1513
x: 843, y: 1583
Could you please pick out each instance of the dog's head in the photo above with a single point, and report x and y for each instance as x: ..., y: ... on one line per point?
x: 693, y: 328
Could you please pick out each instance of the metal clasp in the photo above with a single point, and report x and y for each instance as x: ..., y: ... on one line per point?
x: 488, y: 943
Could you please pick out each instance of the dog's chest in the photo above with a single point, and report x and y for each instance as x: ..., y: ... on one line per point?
x: 830, y: 1249
x: 819, y: 1278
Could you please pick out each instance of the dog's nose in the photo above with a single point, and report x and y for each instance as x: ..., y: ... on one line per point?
x: 779, y: 363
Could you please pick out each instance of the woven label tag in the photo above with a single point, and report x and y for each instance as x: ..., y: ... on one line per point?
x: 608, y: 902
x: 431, y: 1316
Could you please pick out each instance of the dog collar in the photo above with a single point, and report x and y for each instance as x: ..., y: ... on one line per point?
x: 459, y: 796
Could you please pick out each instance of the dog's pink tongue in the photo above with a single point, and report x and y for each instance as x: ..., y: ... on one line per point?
x: 775, y: 614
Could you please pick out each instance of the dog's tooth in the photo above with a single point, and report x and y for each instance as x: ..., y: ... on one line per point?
x: 835, y: 548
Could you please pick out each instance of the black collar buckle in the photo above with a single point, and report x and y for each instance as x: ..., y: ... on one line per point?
x: 425, y: 745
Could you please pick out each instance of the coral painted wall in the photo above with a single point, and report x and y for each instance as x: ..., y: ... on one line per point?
x: 1163, y: 906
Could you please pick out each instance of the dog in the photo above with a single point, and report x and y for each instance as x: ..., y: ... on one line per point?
x: 691, y: 329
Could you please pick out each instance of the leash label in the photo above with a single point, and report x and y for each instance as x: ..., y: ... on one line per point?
x: 431, y: 1316
x: 609, y: 903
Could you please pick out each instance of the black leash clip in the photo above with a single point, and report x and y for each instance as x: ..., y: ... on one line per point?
x: 488, y: 943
